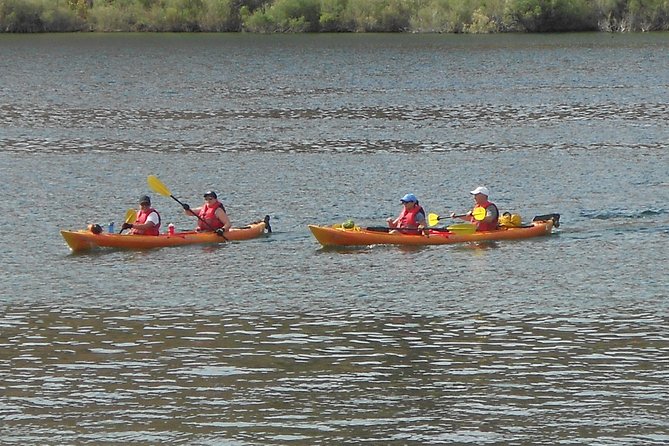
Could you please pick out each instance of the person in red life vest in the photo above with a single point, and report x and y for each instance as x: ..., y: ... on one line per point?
x: 412, y: 215
x: 491, y: 219
x: 212, y: 215
x: 148, y: 219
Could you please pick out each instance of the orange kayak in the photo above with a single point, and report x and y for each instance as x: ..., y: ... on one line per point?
x: 85, y: 240
x: 357, y: 236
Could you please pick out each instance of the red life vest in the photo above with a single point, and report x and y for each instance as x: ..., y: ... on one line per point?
x: 208, y: 214
x: 141, y: 219
x: 484, y: 225
x: 407, y: 218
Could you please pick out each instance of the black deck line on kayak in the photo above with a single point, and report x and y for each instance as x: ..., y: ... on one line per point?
x: 409, y: 230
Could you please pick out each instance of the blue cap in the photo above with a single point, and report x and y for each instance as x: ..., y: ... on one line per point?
x: 409, y: 198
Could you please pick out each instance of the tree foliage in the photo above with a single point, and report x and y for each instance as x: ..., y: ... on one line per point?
x: 290, y: 16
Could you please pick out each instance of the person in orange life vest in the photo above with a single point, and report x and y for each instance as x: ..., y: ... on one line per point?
x: 491, y: 219
x: 148, y: 219
x: 212, y: 214
x: 411, y: 217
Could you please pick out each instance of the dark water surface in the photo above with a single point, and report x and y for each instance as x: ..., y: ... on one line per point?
x: 559, y: 340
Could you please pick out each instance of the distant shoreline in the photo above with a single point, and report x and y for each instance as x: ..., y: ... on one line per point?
x: 333, y: 16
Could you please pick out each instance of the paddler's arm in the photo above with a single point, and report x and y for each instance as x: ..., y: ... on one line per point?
x: 467, y: 216
x: 422, y: 224
x: 141, y: 226
x: 190, y: 211
x: 223, y: 217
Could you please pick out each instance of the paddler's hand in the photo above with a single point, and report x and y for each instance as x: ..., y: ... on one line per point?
x: 126, y: 226
x: 220, y: 231
x: 185, y: 206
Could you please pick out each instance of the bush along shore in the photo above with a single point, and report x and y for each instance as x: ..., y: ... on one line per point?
x: 297, y: 16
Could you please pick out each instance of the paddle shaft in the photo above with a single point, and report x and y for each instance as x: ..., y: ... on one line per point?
x: 464, y: 228
x: 455, y: 216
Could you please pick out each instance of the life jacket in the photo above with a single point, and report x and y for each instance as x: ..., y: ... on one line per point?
x: 208, y: 214
x: 407, y: 218
x: 484, y: 225
x: 141, y: 219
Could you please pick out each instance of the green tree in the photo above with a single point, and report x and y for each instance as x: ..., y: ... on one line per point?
x: 331, y: 18
x: 552, y: 15
x: 286, y: 16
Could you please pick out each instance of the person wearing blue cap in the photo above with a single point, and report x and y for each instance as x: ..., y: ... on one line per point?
x: 412, y: 215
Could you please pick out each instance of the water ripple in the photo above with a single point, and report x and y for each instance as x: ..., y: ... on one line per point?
x: 272, y: 376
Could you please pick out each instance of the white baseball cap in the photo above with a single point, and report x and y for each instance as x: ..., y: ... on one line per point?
x: 481, y: 190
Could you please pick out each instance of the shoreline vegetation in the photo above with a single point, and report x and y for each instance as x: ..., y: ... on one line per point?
x: 354, y: 16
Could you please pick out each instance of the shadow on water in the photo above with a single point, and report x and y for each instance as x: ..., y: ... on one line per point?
x: 371, y: 248
x: 344, y: 249
x: 105, y: 252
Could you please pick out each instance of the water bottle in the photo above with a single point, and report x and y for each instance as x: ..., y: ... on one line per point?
x: 111, y: 227
x: 170, y: 229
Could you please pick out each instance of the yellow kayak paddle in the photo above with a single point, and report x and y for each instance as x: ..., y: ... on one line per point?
x: 130, y: 217
x: 478, y: 214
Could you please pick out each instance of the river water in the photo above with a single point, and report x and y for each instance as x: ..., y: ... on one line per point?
x: 558, y: 340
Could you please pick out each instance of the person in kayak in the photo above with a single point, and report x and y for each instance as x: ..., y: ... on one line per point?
x: 412, y: 215
x: 212, y: 214
x: 148, y: 219
x: 491, y: 218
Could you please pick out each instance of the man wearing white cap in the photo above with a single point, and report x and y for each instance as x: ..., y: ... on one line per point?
x: 489, y: 220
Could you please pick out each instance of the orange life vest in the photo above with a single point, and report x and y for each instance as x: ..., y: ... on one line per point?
x: 484, y: 225
x: 407, y: 218
x: 141, y: 219
x: 208, y: 214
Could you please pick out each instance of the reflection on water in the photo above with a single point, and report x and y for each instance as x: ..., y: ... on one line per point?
x: 315, y: 130
x: 348, y: 377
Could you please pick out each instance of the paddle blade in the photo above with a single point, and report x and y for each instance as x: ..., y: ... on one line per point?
x: 432, y: 219
x: 157, y: 186
x: 130, y: 216
x: 478, y: 213
x: 462, y: 228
